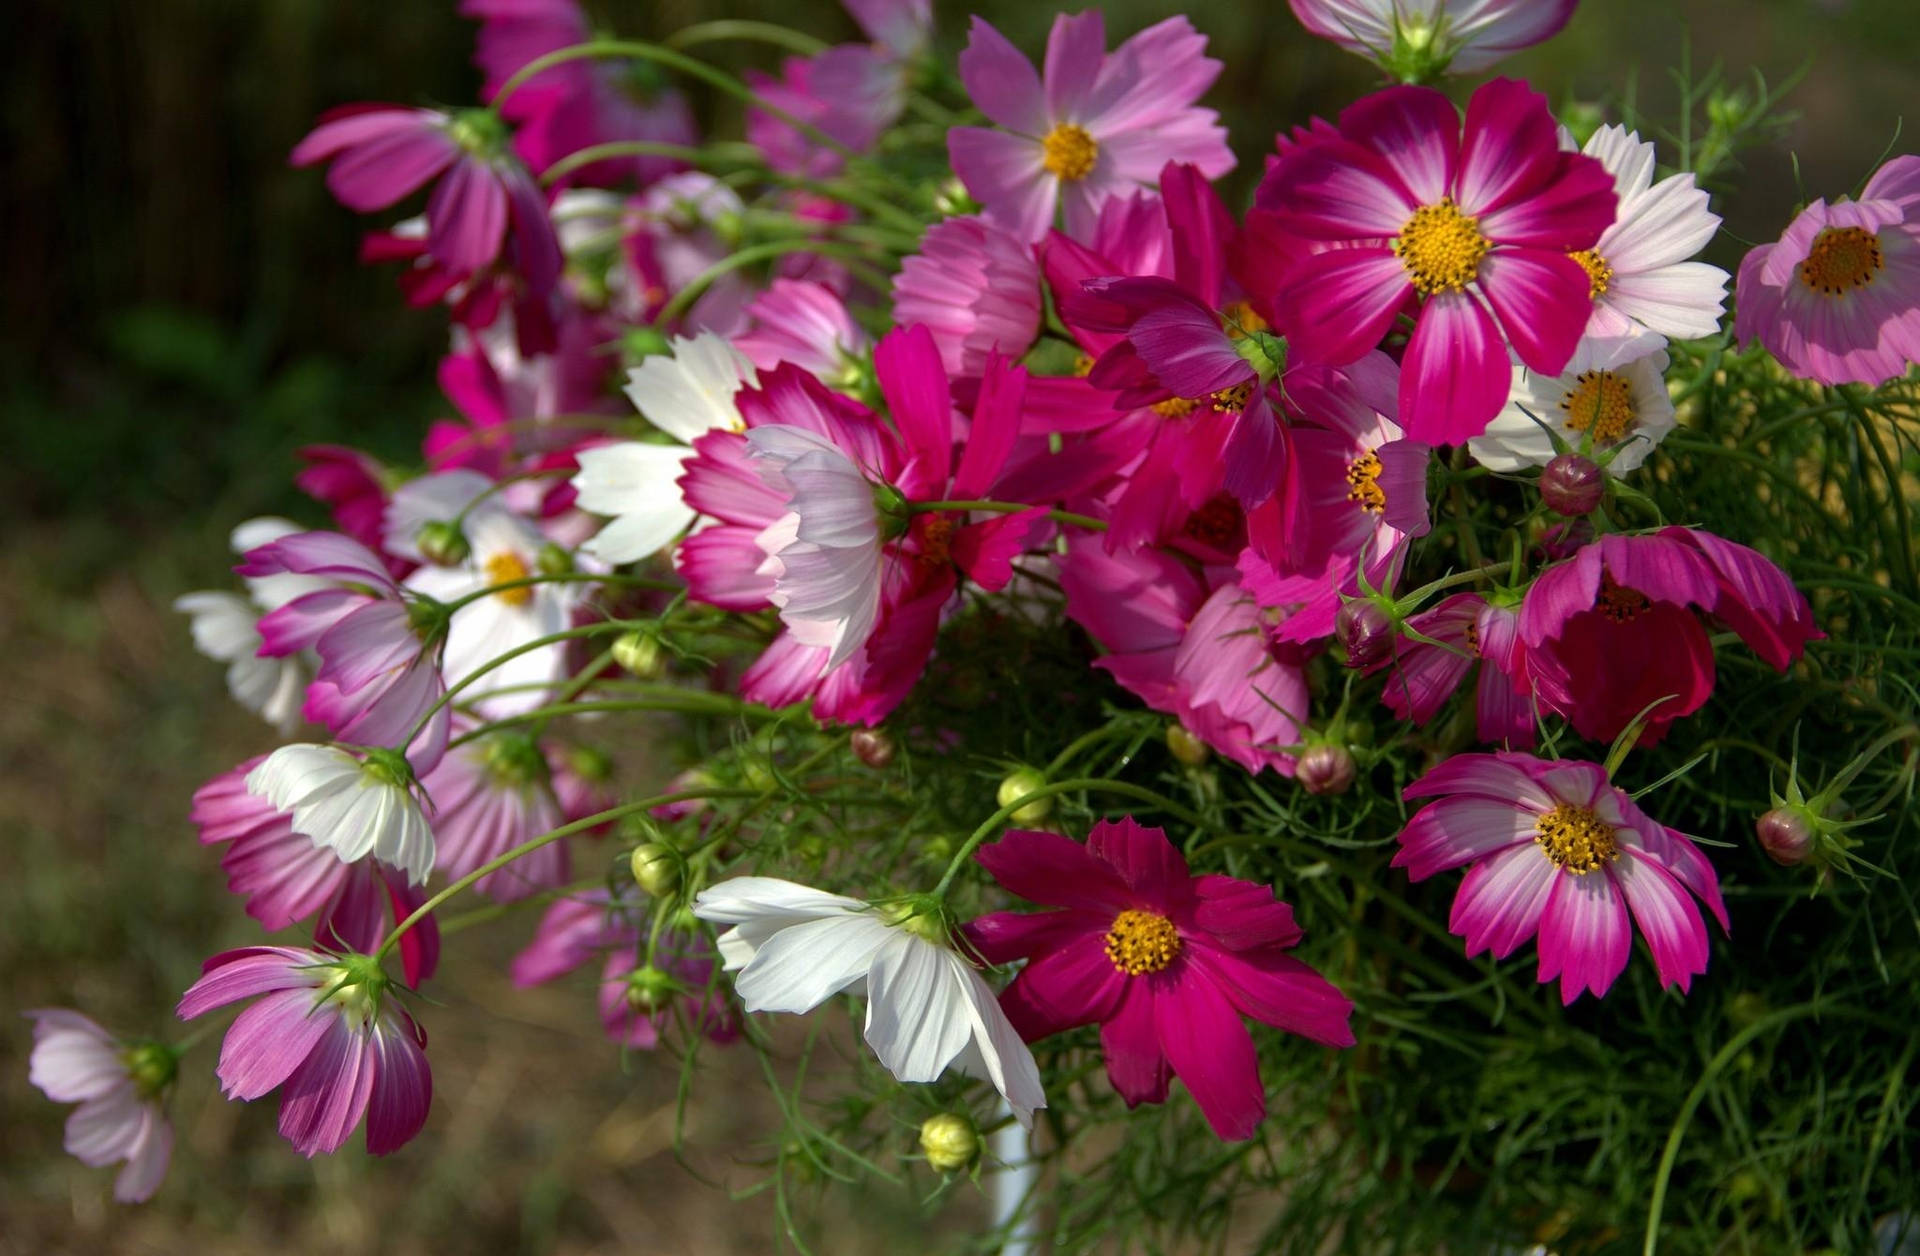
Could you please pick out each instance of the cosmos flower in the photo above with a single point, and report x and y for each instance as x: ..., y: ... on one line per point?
x: 119, y: 1087
x: 1419, y: 39
x: 1558, y: 851
x: 1611, y: 399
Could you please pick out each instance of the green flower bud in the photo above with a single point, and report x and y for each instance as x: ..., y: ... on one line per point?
x: 656, y: 868
x: 951, y: 1142
x: 554, y: 560
x: 1018, y: 784
x: 442, y: 544
x: 650, y: 990
x: 1185, y: 747
x: 639, y: 653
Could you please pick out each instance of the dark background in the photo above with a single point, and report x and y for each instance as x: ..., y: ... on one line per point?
x: 179, y: 311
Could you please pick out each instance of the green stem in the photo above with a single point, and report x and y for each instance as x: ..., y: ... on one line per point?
x: 563, y: 577
x: 528, y: 847
x: 727, y: 707
x: 565, y: 634
x: 700, y: 158
x: 737, y: 28
x: 1010, y: 508
x: 1084, y: 784
x: 855, y: 258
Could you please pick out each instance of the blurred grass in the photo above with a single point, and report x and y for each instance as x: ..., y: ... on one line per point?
x: 181, y: 312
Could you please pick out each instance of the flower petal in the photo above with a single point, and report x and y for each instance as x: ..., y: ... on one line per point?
x: 1211, y: 1051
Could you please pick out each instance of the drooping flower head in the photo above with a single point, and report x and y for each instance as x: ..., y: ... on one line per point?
x: 1837, y: 298
x: 491, y: 794
x: 226, y: 628
x: 1166, y: 963
x: 1560, y: 852
x: 328, y: 1034
x: 1473, y: 227
x: 120, y: 1087
x: 1100, y: 124
x: 355, y: 807
x: 976, y: 288
x: 1418, y: 40
x: 792, y: 948
x: 1611, y: 399
x: 1617, y: 629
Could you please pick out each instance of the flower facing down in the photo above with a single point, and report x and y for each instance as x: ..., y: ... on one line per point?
x: 326, y: 1034
x: 1475, y: 223
x: 355, y: 807
x: 1100, y: 125
x: 1837, y: 299
x: 1419, y: 39
x: 118, y: 1087
x: 1166, y: 963
x: 793, y: 948
x: 1558, y: 851
x: 225, y: 628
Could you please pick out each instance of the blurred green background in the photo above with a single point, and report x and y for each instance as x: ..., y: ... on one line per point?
x: 181, y: 311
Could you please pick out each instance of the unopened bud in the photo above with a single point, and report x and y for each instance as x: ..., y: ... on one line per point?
x: 950, y: 1141
x: 1185, y: 747
x: 639, y: 653
x: 442, y: 544
x: 1018, y: 785
x: 656, y: 869
x: 553, y: 560
x: 649, y: 989
x: 1572, y: 485
x: 872, y: 747
x: 1364, y: 632
x: 1785, y: 834
x: 1326, y: 768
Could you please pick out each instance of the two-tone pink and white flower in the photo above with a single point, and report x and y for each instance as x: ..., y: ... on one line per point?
x: 1611, y: 399
x: 119, y: 1087
x: 356, y: 808
x: 1560, y: 853
x: 1418, y: 39
x: 327, y: 1034
x: 225, y: 628
x: 1099, y: 125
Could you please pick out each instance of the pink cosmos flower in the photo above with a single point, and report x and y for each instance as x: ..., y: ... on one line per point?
x: 976, y: 288
x: 353, y: 485
x: 485, y: 203
x: 1472, y: 229
x: 1101, y: 125
x: 798, y: 528
x: 1559, y: 851
x: 1470, y: 631
x: 1614, y: 631
x: 807, y: 324
x: 1837, y: 298
x: 327, y: 1035
x: 815, y: 90
x: 1166, y: 963
x: 634, y: 1011
x: 1423, y: 38
x: 379, y: 673
x: 1192, y: 647
x: 674, y: 235
x: 118, y: 1086
x: 577, y: 104
x: 287, y: 877
x: 489, y: 796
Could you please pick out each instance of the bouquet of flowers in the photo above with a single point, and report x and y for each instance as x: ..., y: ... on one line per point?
x: 1370, y: 641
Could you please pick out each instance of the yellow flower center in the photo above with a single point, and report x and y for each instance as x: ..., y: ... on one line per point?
x: 1363, y: 483
x: 1622, y: 606
x: 1082, y: 365
x: 1174, y: 407
x: 1600, y: 401
x: 508, y: 566
x: 1576, y: 839
x: 1241, y: 320
x: 1142, y: 942
x: 1234, y: 398
x: 936, y: 540
x: 1842, y: 259
x: 1599, y: 272
x: 1441, y: 248
x: 1068, y: 152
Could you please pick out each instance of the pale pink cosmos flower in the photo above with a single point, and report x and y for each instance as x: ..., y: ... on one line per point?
x: 1099, y: 125
x: 327, y: 1035
x: 1558, y: 851
x: 226, y: 628
x: 1837, y: 298
x: 805, y: 323
x: 976, y: 288
x: 1422, y: 38
x: 490, y: 795
x: 118, y: 1086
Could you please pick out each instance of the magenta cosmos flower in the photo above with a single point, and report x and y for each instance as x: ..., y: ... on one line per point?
x: 327, y: 1036
x: 1837, y: 299
x: 1558, y: 851
x: 1615, y: 631
x: 119, y: 1087
x: 1461, y: 632
x: 976, y: 288
x: 1473, y: 229
x: 1166, y: 963
x: 1099, y: 126
x: 1418, y: 39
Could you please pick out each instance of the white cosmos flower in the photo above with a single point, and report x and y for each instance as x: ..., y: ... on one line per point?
x: 825, y: 553
x: 1643, y: 278
x: 225, y: 628
x: 793, y: 948
x: 502, y: 547
x: 686, y: 396
x: 1613, y: 390
x: 350, y: 806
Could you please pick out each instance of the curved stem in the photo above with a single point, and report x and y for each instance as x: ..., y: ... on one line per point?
x: 723, y: 707
x: 563, y: 577
x: 855, y: 258
x: 1010, y: 508
x: 565, y: 634
x: 741, y: 28
x: 560, y: 169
